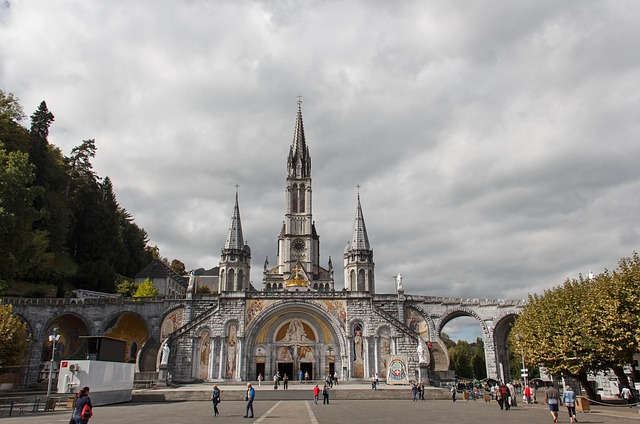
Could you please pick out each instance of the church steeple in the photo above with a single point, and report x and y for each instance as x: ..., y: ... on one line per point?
x: 234, y: 235
x: 358, y: 257
x: 299, y: 162
x: 360, y: 239
x: 235, y: 257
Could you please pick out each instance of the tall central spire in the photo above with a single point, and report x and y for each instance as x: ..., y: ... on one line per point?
x: 299, y: 163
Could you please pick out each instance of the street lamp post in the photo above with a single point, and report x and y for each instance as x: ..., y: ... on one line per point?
x: 525, y: 371
x: 53, y: 338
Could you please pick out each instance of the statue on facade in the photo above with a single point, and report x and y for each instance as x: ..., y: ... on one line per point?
x: 192, y: 282
x: 295, y: 332
x: 164, y: 357
x: 423, y: 352
x: 399, y: 282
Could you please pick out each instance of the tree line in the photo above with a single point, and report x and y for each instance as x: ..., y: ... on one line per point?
x: 584, y: 326
x: 60, y: 223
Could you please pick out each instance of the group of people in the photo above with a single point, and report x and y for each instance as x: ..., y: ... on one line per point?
x: 417, y: 390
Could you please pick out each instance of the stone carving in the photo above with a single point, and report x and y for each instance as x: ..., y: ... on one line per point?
x: 164, y: 357
x: 423, y: 352
x: 399, y: 282
x: 295, y: 332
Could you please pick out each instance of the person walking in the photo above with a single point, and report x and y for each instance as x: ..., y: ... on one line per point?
x: 335, y: 377
x: 260, y: 378
x: 316, y: 393
x: 300, y: 375
x: 421, y: 391
x: 325, y: 395
x: 215, y: 397
x: 627, y: 395
x: 414, y: 391
x: 84, y: 407
x: 275, y: 381
x: 306, y: 376
x: 552, y: 398
x: 453, y: 393
x: 505, y: 393
x: 527, y: 395
x: 285, y: 382
x: 569, y: 399
x: 251, y: 394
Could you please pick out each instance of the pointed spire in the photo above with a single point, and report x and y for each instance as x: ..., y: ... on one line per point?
x: 360, y: 239
x: 299, y: 162
x: 234, y: 236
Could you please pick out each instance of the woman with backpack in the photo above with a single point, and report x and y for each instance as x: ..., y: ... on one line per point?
x: 84, y: 407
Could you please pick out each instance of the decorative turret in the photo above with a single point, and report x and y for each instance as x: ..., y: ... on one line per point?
x: 235, y: 259
x: 358, y: 257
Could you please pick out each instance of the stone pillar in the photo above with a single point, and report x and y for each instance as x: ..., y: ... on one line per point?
x: 349, y: 359
x: 211, y: 358
x: 221, y: 362
x: 238, y: 373
x: 376, y: 341
x: 365, y: 345
x: 491, y: 356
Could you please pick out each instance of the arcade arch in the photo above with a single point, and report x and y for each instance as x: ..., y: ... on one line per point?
x: 289, y: 339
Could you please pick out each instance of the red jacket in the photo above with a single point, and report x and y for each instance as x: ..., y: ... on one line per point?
x: 316, y: 391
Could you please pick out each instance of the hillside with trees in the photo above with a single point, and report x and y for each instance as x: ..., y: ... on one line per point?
x: 60, y: 223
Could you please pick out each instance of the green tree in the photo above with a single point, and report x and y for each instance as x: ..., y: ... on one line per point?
x: 126, y: 288
x: 460, y: 356
x: 12, y: 134
x: 178, y: 267
x: 203, y: 290
x: 478, y: 362
x: 20, y: 245
x: 552, y: 332
x: 146, y: 288
x: 14, y: 348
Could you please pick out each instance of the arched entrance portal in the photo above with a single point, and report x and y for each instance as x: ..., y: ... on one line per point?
x: 291, y: 340
x: 500, y: 339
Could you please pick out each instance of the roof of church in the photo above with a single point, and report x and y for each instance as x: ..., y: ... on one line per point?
x: 360, y: 239
x: 158, y: 269
x: 299, y: 152
x: 234, y: 236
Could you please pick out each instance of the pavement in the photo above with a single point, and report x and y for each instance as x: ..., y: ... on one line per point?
x: 350, y: 403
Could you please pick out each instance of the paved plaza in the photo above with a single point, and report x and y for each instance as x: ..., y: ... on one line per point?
x: 339, y: 411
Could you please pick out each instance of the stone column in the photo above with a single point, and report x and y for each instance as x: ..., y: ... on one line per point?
x: 365, y: 345
x: 376, y: 341
x: 349, y: 359
x: 211, y: 358
x: 238, y: 374
x: 220, y: 362
x: 491, y: 356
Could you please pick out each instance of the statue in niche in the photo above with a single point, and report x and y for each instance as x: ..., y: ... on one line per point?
x: 164, y: 357
x: 423, y: 352
x: 295, y: 332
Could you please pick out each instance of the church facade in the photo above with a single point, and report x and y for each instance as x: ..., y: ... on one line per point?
x: 298, y: 321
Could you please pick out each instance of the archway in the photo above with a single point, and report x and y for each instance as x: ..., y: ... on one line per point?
x: 300, y: 337
x: 501, y: 333
x: 464, y: 335
x: 131, y: 328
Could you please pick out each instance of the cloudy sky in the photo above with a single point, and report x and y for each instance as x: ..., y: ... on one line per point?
x: 496, y: 143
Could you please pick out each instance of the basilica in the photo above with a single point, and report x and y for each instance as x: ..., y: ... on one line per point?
x: 296, y: 321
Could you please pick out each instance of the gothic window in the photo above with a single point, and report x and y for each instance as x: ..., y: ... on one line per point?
x: 223, y: 280
x: 302, y: 197
x: 361, y: 286
x: 230, y: 280
x: 280, y: 286
x: 315, y: 286
x: 352, y: 280
x: 240, y: 280
x: 294, y: 199
x: 268, y: 288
